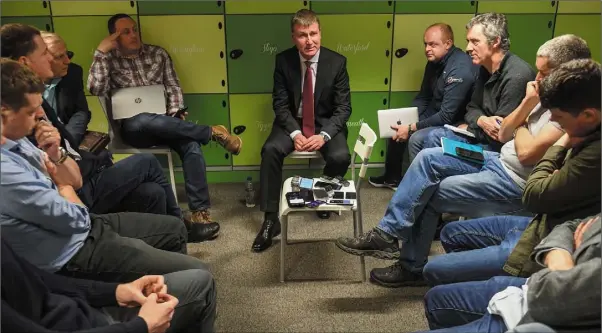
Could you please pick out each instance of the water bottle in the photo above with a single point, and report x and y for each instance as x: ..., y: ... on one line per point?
x: 250, y: 193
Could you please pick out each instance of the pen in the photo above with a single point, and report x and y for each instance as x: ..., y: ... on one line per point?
x: 499, y: 122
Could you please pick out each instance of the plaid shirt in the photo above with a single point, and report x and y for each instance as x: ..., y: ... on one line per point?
x: 153, y: 65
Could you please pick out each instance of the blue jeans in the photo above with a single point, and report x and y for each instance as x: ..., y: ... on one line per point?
x: 431, y: 137
x: 146, y: 130
x: 436, y: 183
x: 134, y: 184
x: 476, y: 249
x: 462, y: 307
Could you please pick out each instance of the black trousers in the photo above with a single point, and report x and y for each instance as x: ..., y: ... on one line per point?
x: 123, y: 247
x: 278, y: 146
x: 396, y: 160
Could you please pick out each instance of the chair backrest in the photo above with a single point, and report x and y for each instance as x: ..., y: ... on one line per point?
x: 363, y: 148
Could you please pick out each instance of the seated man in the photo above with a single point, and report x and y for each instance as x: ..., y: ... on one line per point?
x: 122, y: 61
x: 446, y: 88
x: 479, y: 248
x: 134, y: 184
x: 65, y: 91
x: 565, y: 296
x: 436, y: 183
x: 498, y: 90
x: 43, y: 219
x: 34, y: 300
x: 309, y: 117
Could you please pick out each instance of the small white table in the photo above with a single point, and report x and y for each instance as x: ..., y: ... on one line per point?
x: 285, y: 210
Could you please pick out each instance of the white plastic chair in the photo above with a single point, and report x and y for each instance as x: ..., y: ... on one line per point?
x: 363, y: 149
x: 117, y: 146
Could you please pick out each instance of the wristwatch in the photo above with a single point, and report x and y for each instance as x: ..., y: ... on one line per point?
x: 324, y: 136
x: 410, y: 132
x: 63, y: 157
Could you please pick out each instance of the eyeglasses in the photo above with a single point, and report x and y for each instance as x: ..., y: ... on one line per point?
x: 68, y: 54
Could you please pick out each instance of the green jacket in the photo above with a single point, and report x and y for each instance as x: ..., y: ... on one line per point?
x: 573, y: 192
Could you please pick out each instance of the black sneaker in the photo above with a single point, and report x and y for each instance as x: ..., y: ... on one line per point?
x: 382, y: 181
x: 395, y: 276
x: 372, y: 243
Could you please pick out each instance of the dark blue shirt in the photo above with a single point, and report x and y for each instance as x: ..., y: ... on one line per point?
x: 446, y: 89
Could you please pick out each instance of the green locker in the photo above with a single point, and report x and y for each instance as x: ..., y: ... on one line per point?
x: 199, y: 58
x: 518, y: 7
x: 99, y: 120
x: 25, y: 8
x: 251, y: 57
x: 364, y: 110
x: 252, y: 116
x: 209, y: 109
x: 402, y: 99
x: 408, y: 46
x: 180, y: 7
x: 585, y: 7
x: 82, y: 34
x: 73, y: 8
x: 352, y: 7
x: 366, y: 46
x: 525, y: 45
x: 40, y: 22
x: 265, y: 7
x: 435, y: 7
x: 584, y: 26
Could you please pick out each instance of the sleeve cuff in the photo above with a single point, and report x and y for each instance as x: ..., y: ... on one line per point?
x: 99, y: 54
x: 539, y: 257
x: 326, y: 134
x: 294, y: 134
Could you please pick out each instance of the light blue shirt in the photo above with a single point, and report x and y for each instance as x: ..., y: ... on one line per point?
x: 50, y: 93
x: 37, y: 222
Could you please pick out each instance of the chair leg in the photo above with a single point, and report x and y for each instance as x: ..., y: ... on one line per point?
x: 357, y: 228
x: 172, y: 176
x: 283, y: 241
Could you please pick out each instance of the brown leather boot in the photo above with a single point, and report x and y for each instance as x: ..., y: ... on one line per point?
x: 231, y: 143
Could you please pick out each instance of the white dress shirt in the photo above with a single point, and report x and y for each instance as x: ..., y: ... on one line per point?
x: 314, y: 73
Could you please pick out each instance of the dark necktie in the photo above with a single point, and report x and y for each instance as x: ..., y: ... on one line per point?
x: 308, y: 103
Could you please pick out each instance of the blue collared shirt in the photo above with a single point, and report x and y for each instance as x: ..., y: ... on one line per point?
x: 39, y: 224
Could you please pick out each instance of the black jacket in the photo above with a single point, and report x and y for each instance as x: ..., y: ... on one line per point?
x: 34, y: 300
x: 446, y: 89
x: 72, y: 106
x: 332, y: 96
x: 498, y: 94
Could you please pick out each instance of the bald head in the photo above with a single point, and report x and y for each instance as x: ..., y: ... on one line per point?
x: 438, y: 40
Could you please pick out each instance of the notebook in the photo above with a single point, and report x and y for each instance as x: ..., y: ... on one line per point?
x: 449, y: 148
x: 128, y: 102
x: 390, y: 117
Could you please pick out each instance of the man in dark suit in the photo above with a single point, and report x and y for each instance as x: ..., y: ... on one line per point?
x: 312, y: 103
x: 66, y: 89
x: 135, y: 184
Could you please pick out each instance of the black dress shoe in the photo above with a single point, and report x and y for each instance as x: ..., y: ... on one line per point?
x: 395, y: 276
x: 200, y: 232
x: 375, y: 243
x: 269, y: 230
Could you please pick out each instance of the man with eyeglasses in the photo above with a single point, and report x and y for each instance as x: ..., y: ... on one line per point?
x: 66, y: 84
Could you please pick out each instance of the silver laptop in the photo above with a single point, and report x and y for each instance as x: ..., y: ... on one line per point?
x: 128, y: 102
x: 390, y: 117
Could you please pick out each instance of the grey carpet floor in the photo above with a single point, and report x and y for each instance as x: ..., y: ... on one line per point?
x: 323, y: 293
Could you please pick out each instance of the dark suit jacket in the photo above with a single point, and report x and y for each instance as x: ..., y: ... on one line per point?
x: 71, y: 103
x: 568, y: 301
x: 332, y: 97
